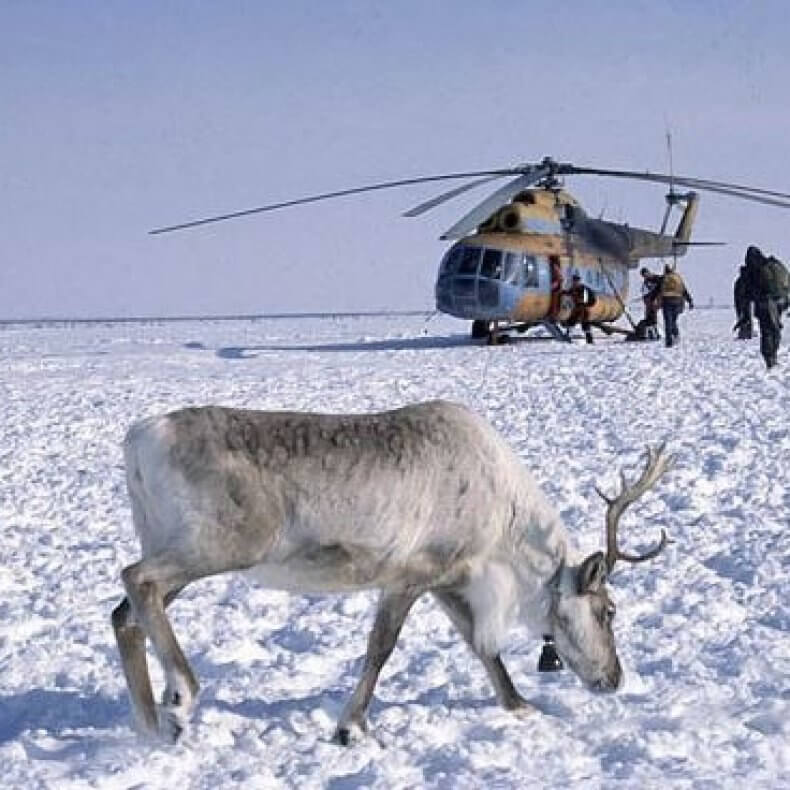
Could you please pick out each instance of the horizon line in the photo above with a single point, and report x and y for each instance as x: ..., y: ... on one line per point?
x: 218, y: 317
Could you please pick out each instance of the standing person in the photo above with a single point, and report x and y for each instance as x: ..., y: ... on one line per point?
x: 743, y: 305
x: 651, y: 298
x: 583, y: 299
x: 673, y: 294
x: 556, y: 285
x: 768, y: 286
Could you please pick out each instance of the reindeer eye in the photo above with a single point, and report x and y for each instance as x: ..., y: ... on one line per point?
x: 611, y: 611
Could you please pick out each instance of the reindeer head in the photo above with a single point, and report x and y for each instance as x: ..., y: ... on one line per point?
x: 581, y: 611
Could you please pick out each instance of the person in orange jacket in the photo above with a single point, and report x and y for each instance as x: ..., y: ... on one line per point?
x: 673, y: 294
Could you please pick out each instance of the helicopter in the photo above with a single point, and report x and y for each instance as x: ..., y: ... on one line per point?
x: 515, y: 254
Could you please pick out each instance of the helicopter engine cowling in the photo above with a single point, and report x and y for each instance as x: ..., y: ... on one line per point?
x: 510, y: 218
x: 541, y: 214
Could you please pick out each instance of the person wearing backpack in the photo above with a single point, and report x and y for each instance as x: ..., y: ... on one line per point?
x: 768, y: 286
x: 743, y: 306
x: 583, y: 299
x: 673, y: 294
x: 651, y: 298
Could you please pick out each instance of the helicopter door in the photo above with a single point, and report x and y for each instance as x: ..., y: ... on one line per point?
x: 551, y: 273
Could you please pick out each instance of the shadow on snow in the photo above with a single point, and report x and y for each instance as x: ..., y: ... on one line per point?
x: 391, y: 344
x: 58, y: 711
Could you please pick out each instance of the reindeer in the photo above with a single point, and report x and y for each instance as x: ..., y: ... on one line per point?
x: 427, y: 498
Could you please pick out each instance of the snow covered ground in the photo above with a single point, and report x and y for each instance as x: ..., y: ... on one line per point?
x: 703, y: 631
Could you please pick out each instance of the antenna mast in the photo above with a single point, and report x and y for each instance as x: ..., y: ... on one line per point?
x: 671, y: 198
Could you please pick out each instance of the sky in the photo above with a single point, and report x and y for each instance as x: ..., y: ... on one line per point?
x: 122, y: 117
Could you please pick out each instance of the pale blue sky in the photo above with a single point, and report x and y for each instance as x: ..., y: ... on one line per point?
x: 118, y: 117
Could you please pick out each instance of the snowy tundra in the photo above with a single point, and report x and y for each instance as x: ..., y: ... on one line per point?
x: 703, y: 631
x: 425, y: 498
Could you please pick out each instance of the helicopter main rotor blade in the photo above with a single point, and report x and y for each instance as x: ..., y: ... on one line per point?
x: 735, y: 193
x: 766, y: 196
x: 329, y: 195
x: 527, y: 175
x: 449, y: 195
x: 484, y: 210
x: 739, y: 187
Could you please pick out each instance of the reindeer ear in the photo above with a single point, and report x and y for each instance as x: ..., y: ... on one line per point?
x: 592, y: 573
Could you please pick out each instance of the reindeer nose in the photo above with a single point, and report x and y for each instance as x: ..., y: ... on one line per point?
x: 617, y: 676
x: 612, y: 680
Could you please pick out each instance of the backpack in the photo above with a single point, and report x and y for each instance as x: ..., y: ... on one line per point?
x: 672, y: 285
x: 774, y: 279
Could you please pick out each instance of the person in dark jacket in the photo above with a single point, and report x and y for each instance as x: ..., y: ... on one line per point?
x: 766, y: 286
x: 647, y: 328
x: 673, y: 294
x: 556, y: 285
x: 583, y: 299
x: 743, y: 306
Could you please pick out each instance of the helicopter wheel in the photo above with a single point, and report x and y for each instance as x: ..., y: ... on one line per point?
x: 481, y: 329
x: 497, y: 339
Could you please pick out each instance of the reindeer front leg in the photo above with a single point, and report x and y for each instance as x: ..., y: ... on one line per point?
x: 131, y: 645
x: 459, y: 611
x: 151, y: 585
x: 390, y: 616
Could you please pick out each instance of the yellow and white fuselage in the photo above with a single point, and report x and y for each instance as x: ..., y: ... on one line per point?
x: 503, y: 272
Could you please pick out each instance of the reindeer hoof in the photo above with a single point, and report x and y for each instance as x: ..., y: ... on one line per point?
x: 346, y: 734
x: 172, y: 723
x: 517, y: 705
x: 522, y: 710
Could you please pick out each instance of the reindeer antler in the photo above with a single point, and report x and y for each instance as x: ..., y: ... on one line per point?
x: 657, y: 463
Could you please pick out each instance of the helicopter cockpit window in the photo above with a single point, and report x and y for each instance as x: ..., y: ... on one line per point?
x: 452, y: 259
x: 488, y: 293
x: 492, y: 264
x: 512, y: 268
x: 530, y: 271
x: 469, y: 260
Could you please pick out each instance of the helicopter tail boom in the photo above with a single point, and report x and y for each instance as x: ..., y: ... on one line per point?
x: 646, y: 244
x: 683, y: 231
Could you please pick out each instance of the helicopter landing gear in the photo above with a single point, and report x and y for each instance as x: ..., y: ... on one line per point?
x: 488, y: 331
x: 554, y: 329
x: 644, y: 331
x: 481, y: 329
x: 495, y: 333
x: 494, y: 336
